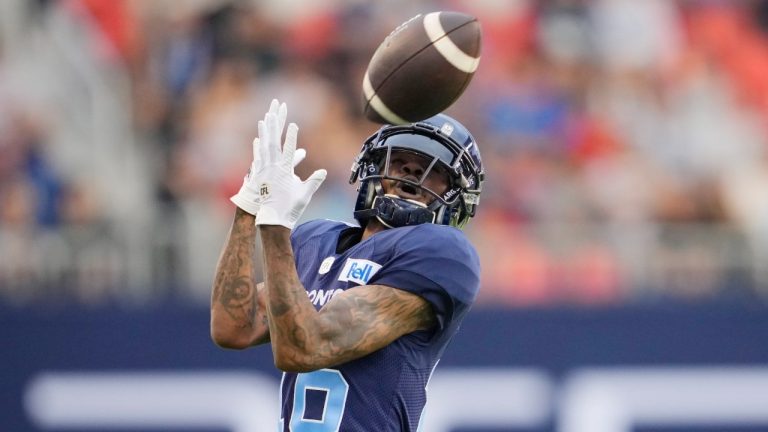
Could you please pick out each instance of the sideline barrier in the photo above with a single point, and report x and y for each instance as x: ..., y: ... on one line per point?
x: 565, y: 370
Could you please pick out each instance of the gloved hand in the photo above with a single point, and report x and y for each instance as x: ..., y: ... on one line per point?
x: 283, y: 195
x: 248, y: 198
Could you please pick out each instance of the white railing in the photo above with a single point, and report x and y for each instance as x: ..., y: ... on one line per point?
x: 89, y: 264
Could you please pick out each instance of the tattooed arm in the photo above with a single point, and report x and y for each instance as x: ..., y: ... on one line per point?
x: 238, y: 303
x: 353, y: 324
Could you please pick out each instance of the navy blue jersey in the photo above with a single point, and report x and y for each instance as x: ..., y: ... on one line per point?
x: 385, y: 390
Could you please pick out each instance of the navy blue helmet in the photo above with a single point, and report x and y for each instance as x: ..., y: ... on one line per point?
x: 442, y: 140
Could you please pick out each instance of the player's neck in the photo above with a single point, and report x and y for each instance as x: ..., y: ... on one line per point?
x: 372, y: 227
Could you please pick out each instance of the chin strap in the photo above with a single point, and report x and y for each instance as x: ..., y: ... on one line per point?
x: 394, y: 212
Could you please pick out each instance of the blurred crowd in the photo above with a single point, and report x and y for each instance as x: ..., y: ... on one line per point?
x: 625, y: 142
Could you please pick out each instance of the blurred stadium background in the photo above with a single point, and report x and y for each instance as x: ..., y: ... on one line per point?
x: 623, y: 229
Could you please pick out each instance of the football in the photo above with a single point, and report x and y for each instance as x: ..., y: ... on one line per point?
x: 421, y: 68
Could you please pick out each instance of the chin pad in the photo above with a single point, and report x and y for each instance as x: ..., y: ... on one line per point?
x: 393, y: 211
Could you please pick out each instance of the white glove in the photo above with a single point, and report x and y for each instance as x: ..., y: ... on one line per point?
x: 248, y: 198
x: 283, y: 195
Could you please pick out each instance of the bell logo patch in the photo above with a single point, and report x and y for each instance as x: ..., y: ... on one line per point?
x: 359, y: 271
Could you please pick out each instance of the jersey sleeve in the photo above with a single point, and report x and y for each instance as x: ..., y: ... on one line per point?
x: 437, y: 263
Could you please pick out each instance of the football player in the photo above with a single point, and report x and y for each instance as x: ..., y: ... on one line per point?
x: 357, y: 315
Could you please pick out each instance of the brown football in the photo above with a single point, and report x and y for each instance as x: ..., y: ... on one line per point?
x: 422, y: 67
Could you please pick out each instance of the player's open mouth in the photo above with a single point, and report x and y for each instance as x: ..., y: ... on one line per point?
x: 409, y: 190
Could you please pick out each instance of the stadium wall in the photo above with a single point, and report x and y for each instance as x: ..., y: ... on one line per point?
x: 655, y: 368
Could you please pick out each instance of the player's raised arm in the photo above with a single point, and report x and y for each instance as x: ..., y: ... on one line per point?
x: 238, y: 314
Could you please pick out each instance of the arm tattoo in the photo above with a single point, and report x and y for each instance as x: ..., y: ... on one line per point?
x: 365, y: 319
x: 353, y: 324
x: 235, y: 291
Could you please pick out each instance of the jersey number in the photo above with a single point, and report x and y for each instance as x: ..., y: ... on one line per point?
x: 326, y: 391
